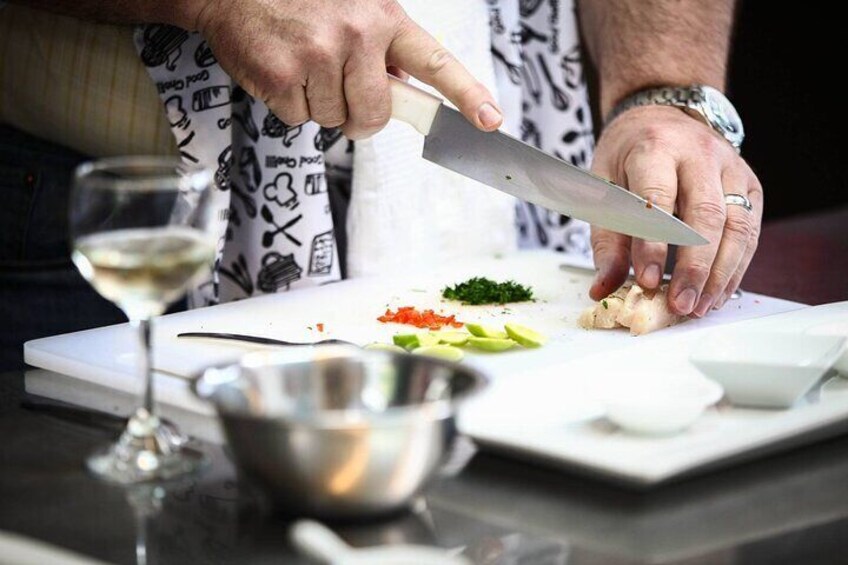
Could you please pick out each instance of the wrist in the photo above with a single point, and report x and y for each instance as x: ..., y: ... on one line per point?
x: 614, y: 93
x: 185, y: 14
x: 703, y: 102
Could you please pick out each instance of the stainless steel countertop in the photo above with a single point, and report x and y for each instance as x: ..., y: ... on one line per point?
x: 791, y: 508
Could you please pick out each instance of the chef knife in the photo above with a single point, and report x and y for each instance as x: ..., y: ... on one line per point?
x: 509, y: 165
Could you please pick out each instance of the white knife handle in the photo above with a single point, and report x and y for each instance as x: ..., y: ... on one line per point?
x: 413, y: 105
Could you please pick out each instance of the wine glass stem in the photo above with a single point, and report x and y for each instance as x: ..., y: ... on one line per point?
x: 143, y: 327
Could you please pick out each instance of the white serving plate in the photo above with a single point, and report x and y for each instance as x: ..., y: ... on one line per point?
x: 103, y: 359
x: 547, y: 415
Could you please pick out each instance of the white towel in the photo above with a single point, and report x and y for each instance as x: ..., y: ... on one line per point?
x: 404, y: 209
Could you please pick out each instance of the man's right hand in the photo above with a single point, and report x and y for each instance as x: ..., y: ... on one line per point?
x: 326, y: 60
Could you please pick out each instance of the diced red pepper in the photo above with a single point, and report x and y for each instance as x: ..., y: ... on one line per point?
x: 420, y: 319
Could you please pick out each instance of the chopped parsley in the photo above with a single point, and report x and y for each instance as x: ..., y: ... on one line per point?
x: 604, y: 302
x: 480, y: 290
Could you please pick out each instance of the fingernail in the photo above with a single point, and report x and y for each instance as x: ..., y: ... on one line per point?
x: 685, y: 301
x: 719, y: 304
x: 704, y: 305
x: 651, y: 275
x: 489, y: 116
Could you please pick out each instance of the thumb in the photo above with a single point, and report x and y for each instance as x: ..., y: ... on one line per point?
x: 418, y: 53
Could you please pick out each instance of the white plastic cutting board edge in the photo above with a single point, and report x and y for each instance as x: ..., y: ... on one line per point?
x: 348, y: 310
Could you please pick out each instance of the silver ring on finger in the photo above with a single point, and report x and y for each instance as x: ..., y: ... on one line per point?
x: 738, y: 200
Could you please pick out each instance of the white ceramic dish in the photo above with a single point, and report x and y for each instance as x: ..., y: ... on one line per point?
x: 839, y: 328
x: 766, y: 369
x: 648, y: 403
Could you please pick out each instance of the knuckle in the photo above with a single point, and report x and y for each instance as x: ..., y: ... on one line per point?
x: 288, y: 115
x: 373, y: 121
x: 755, y: 190
x: 652, y: 143
x: 739, y: 227
x: 658, y: 195
x: 358, y: 33
x: 606, y: 246
x: 321, y: 52
x: 328, y: 112
x: 370, y: 121
x: 710, y: 145
x: 753, y: 241
x: 653, y: 138
x: 696, y: 271
x: 285, y: 79
x: 719, y: 279
x: 473, y: 93
x: 330, y: 120
x: 710, y: 213
x: 390, y: 12
x: 438, y: 60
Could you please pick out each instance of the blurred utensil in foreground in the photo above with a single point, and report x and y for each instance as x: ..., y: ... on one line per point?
x: 319, y: 542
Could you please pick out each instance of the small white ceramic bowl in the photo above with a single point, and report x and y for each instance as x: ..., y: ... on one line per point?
x: 656, y: 403
x: 835, y: 329
x: 766, y: 369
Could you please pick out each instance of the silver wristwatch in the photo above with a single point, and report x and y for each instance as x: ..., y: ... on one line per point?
x: 704, y: 102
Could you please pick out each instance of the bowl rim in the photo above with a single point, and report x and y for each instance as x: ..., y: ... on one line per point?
x: 832, y: 347
x: 344, y: 418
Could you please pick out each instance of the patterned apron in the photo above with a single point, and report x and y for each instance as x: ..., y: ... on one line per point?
x: 274, y: 222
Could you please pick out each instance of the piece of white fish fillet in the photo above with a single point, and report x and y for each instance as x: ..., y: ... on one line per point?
x: 632, y: 307
x: 604, y: 315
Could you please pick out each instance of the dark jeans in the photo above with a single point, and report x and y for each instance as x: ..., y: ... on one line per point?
x: 41, y: 292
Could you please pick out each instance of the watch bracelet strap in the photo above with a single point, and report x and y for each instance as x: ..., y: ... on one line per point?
x: 677, y: 96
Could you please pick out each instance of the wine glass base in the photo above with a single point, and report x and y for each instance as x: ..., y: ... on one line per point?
x: 148, y: 450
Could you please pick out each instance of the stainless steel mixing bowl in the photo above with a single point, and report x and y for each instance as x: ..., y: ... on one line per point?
x: 338, y: 431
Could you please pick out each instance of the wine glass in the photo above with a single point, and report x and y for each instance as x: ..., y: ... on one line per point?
x: 143, y: 230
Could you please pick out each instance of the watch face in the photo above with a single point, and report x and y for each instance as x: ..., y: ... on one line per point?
x: 722, y: 115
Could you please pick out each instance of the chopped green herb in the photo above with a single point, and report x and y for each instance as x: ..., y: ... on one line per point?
x: 606, y: 306
x: 508, y: 177
x: 480, y: 290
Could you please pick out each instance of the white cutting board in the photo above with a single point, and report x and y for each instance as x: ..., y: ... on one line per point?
x: 106, y: 356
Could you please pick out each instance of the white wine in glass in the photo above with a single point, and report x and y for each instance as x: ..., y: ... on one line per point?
x: 143, y: 231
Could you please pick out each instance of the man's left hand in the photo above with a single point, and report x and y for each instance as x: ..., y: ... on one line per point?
x: 682, y: 166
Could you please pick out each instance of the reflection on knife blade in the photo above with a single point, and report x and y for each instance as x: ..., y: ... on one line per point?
x: 507, y: 164
x: 511, y: 166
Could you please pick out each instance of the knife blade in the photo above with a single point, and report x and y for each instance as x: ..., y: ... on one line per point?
x: 503, y: 162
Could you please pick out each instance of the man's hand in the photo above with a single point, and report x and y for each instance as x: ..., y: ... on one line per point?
x: 661, y: 153
x: 321, y: 60
x: 682, y: 166
x: 326, y: 60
